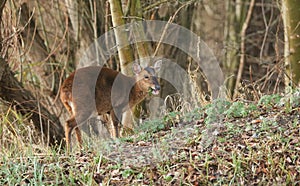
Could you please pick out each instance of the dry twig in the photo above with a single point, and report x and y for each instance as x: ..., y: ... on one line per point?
x: 242, y: 58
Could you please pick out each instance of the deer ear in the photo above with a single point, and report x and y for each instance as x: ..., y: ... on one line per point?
x: 157, y: 65
x: 136, y: 68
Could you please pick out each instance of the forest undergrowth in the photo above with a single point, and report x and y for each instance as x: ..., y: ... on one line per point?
x: 221, y: 143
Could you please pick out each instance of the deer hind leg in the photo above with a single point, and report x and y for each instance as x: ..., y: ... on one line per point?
x: 69, y: 126
x: 82, y: 109
x: 73, y: 123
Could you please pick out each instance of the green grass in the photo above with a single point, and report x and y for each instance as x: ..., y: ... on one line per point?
x: 253, y: 144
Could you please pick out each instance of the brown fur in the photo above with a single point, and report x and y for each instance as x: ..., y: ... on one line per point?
x: 105, y: 94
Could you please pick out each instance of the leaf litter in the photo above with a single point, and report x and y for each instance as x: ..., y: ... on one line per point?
x: 260, y: 149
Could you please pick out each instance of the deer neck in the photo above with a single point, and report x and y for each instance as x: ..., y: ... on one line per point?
x: 137, y: 94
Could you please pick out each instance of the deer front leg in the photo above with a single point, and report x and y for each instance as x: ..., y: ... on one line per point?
x: 78, y: 137
x: 115, y: 118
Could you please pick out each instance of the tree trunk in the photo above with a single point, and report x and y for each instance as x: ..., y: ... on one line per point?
x: 124, y: 49
x: 39, y: 62
x: 84, y: 16
x: 2, y: 4
x: 143, y: 49
x: 243, y: 48
x: 11, y: 91
x: 179, y: 56
x: 235, y: 15
x: 231, y: 39
x: 43, y: 65
x: 291, y: 19
x: 87, y: 23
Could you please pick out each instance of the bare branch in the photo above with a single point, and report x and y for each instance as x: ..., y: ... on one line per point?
x: 242, y: 58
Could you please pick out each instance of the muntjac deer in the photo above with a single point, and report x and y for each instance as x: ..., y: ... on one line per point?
x: 99, y: 90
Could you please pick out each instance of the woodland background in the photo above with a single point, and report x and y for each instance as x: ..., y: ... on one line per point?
x: 249, y: 138
x: 256, y: 43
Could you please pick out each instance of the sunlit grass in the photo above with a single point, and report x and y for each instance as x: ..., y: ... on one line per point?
x: 260, y: 148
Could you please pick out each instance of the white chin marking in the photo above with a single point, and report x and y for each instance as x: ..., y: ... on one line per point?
x: 155, y: 92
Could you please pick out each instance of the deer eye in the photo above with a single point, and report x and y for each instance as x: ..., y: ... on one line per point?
x: 146, y: 76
